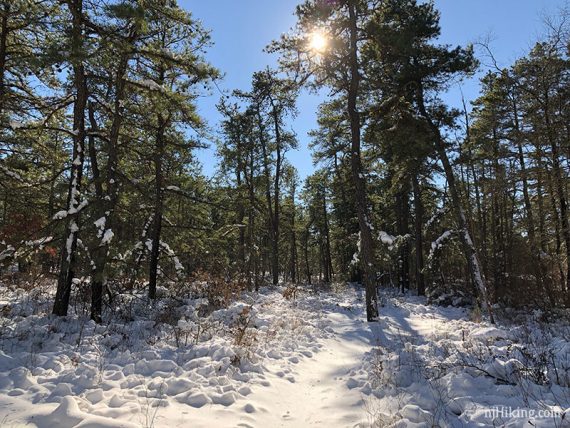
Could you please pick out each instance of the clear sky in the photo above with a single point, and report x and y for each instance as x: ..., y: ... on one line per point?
x: 242, y: 28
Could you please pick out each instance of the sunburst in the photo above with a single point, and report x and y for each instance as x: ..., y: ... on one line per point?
x: 318, y: 41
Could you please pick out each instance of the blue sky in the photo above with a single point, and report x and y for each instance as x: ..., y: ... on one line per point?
x: 242, y: 28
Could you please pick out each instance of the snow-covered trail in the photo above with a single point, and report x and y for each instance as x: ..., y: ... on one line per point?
x: 302, y: 373
x: 316, y: 389
x: 332, y: 389
x: 314, y: 362
x: 319, y: 391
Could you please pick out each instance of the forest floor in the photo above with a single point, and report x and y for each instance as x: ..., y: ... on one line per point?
x: 265, y: 361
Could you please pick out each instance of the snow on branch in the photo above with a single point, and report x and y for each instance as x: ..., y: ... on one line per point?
x: 393, y: 242
x: 439, y: 213
x: 24, y: 249
x: 438, y: 243
x: 177, y: 265
x: 60, y: 215
x: 12, y: 174
x: 386, y: 238
x: 436, y: 248
x: 151, y: 85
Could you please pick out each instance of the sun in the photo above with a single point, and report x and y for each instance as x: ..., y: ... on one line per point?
x: 318, y: 41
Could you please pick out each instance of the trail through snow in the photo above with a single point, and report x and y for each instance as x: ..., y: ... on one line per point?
x: 319, y: 393
x: 314, y: 362
x: 317, y: 388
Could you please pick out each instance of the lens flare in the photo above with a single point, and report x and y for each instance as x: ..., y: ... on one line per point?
x: 318, y: 41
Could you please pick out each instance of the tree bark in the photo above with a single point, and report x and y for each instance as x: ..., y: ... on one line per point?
x: 306, y: 252
x: 327, y: 242
x: 4, y: 30
x: 366, y: 241
x: 418, y: 226
x: 293, y: 267
x: 273, y: 228
x: 67, y: 264
x: 106, y: 205
x: 276, y: 189
x: 403, y: 211
x: 240, y: 209
x: 158, y: 207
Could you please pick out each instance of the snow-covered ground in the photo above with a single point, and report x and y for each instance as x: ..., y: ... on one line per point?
x: 434, y: 367
x: 266, y: 362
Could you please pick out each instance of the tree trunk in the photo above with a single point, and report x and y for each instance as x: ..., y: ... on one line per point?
x: 327, y: 241
x: 252, y: 260
x: 4, y: 30
x: 241, y: 176
x: 67, y: 264
x: 366, y: 241
x: 158, y: 207
x: 403, y: 210
x: 240, y: 209
x: 293, y: 267
x: 276, y: 190
x: 306, y: 252
x: 418, y: 225
x: 106, y: 205
x: 498, y: 238
x: 272, y: 214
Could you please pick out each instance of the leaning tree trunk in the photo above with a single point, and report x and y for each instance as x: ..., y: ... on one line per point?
x: 469, y: 250
x: 67, y: 264
x: 366, y: 241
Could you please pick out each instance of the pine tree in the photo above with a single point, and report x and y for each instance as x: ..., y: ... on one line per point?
x: 339, y: 68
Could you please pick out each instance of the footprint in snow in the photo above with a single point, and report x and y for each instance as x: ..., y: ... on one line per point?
x: 226, y: 399
x: 196, y: 400
x: 249, y: 408
x: 116, y: 402
x: 351, y: 383
x: 244, y: 390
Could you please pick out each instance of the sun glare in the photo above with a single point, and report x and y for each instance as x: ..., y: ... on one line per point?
x: 318, y: 41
